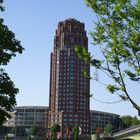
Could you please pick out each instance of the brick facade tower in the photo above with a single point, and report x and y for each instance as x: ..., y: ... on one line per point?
x: 68, y: 107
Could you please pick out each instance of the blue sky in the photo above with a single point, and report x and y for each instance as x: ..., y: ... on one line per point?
x: 34, y: 23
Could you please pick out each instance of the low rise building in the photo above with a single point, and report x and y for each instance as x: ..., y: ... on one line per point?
x: 99, y: 120
x: 24, y: 117
x: 31, y: 115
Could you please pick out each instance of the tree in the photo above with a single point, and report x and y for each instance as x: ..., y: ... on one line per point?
x: 129, y: 121
x: 135, y: 121
x: 55, y: 128
x: 29, y: 137
x: 14, y: 130
x: 9, y: 47
x: 6, y: 137
x: 34, y: 130
x: 76, y: 132
x: 117, y: 34
x: 108, y: 129
x: 3, y: 130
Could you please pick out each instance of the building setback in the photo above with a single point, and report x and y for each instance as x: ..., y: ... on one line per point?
x: 68, y: 107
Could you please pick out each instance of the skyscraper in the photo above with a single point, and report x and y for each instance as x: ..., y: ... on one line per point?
x: 68, y: 107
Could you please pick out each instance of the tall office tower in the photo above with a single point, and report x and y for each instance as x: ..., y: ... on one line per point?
x: 68, y: 107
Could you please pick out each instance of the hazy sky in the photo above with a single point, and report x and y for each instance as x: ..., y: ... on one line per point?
x: 34, y: 23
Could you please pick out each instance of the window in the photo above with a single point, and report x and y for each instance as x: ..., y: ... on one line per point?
x: 65, y: 119
x: 67, y: 46
x: 70, y: 115
x: 29, y: 114
x: 20, y: 110
x: 29, y: 118
x: 71, y: 77
x: 29, y: 123
x: 40, y: 123
x: 71, y: 102
x: 29, y: 110
x: 19, y: 119
x: 76, y: 120
x: 19, y: 123
x: 70, y: 110
x: 71, y: 120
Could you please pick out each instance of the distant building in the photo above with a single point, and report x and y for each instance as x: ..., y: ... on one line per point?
x: 24, y: 117
x: 31, y: 115
x: 100, y: 119
x: 68, y: 107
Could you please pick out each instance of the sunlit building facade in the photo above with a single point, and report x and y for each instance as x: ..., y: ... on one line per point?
x: 31, y: 115
x: 68, y: 107
x: 24, y: 117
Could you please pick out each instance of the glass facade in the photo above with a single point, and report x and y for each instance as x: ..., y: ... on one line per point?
x: 31, y: 115
x: 100, y: 119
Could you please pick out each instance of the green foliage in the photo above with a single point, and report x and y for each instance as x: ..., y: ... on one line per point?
x: 82, y: 53
x: 29, y: 137
x: 112, y: 88
x: 55, y: 128
x: 9, y: 47
x: 76, y: 132
x: 6, y: 137
x: 117, y: 34
x: 87, y: 94
x: 135, y: 121
x: 108, y: 129
x: 34, y: 130
x: 86, y: 73
x: 14, y: 130
x: 126, y: 120
x: 1, y: 7
x: 129, y: 121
